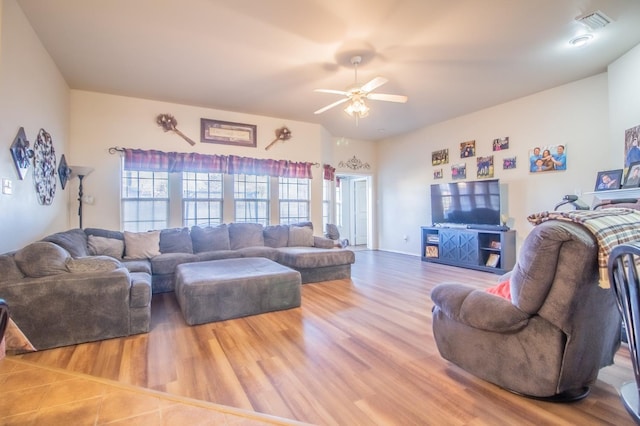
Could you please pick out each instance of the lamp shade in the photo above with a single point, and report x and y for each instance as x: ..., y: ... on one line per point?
x: 79, y: 171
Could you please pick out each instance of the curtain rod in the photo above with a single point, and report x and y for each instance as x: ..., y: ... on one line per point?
x: 115, y: 149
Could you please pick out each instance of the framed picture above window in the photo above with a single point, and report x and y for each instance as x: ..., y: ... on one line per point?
x: 228, y: 133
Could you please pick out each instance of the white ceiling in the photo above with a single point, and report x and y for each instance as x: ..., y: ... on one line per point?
x: 265, y: 57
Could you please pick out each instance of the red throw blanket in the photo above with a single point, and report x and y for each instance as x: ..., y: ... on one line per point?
x: 610, y: 227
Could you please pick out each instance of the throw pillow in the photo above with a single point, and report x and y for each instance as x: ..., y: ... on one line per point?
x: 103, y: 246
x: 210, y: 238
x: 276, y: 236
x: 332, y: 231
x: 243, y: 235
x: 93, y: 264
x: 502, y: 290
x: 74, y: 241
x: 41, y: 259
x: 300, y: 236
x: 176, y: 240
x: 141, y: 245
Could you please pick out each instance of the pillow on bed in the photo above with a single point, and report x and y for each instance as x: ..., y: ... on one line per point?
x: 141, y: 245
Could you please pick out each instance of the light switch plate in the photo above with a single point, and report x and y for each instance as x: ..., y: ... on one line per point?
x: 7, y: 186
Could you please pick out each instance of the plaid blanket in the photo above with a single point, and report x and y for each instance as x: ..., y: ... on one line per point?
x: 609, y: 226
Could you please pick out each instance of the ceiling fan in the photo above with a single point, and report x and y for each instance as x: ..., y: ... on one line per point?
x: 356, y: 95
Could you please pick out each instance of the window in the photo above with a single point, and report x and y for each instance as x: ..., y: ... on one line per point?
x: 326, y: 202
x: 145, y: 200
x: 338, y: 204
x: 202, y: 199
x: 251, y: 197
x: 294, y: 200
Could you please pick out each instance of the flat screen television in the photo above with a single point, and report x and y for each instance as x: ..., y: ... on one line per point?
x: 466, y: 203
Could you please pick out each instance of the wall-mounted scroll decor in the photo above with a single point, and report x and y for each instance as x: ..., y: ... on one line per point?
x: 354, y: 164
x: 21, y: 153
x: 44, y: 173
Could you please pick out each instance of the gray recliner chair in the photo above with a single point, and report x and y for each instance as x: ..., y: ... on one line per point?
x: 559, y: 328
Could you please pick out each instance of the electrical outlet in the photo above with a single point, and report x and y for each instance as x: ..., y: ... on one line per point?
x: 7, y: 186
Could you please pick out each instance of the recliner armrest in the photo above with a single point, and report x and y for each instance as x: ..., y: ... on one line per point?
x: 478, y: 309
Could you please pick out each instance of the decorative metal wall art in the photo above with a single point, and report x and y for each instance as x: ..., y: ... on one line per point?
x: 282, y: 134
x: 44, y: 173
x: 64, y: 172
x: 169, y: 123
x: 21, y: 153
x: 354, y: 164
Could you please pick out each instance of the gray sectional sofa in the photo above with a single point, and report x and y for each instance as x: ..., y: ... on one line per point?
x: 85, y: 285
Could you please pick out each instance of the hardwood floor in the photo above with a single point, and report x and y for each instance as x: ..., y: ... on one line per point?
x: 357, y: 352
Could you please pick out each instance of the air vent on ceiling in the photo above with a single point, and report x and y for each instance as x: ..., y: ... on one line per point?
x: 594, y: 20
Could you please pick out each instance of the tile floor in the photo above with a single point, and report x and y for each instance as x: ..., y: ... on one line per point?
x: 35, y: 395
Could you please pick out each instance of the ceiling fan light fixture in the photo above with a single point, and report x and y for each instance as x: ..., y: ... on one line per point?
x: 358, y: 108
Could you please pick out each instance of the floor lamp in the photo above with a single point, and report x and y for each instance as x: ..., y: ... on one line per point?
x: 80, y: 172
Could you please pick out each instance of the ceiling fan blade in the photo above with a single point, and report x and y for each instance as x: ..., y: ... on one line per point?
x: 341, y: 101
x: 385, y: 97
x: 335, y: 92
x: 373, y: 84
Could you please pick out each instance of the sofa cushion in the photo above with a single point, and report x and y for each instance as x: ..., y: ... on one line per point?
x: 137, y: 265
x: 300, y: 236
x: 141, y: 245
x: 311, y: 257
x: 217, y: 254
x: 93, y: 264
x: 265, y: 252
x: 175, y: 240
x: 9, y: 270
x: 166, y: 262
x: 276, y: 235
x: 41, y: 259
x: 74, y: 241
x: 245, y: 235
x: 210, y: 238
x: 106, y: 233
x: 103, y: 246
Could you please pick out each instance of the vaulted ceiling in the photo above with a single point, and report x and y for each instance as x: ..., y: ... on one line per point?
x: 266, y: 57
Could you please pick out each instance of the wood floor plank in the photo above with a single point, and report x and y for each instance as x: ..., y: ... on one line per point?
x: 357, y: 352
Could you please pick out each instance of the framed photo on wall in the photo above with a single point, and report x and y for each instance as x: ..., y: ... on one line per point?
x: 608, y: 179
x: 228, y: 133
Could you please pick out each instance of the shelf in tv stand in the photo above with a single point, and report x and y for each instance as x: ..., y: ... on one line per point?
x: 469, y: 248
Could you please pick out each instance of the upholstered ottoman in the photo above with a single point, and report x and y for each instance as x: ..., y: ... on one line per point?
x: 217, y: 290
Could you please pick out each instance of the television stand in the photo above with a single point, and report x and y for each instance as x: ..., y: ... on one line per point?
x: 491, y: 250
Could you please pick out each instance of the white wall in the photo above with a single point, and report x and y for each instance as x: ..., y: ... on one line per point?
x: 33, y: 95
x: 624, y: 97
x: 100, y: 121
x: 575, y: 115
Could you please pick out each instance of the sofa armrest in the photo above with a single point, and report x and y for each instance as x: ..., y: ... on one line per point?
x: 322, y: 242
x: 478, y: 309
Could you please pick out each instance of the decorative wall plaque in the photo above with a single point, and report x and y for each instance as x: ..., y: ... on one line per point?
x: 21, y: 153
x: 44, y: 173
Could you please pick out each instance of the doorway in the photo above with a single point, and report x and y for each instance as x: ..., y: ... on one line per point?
x: 353, y: 209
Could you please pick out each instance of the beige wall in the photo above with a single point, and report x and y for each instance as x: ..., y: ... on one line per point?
x: 575, y: 115
x: 100, y: 121
x: 33, y: 95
